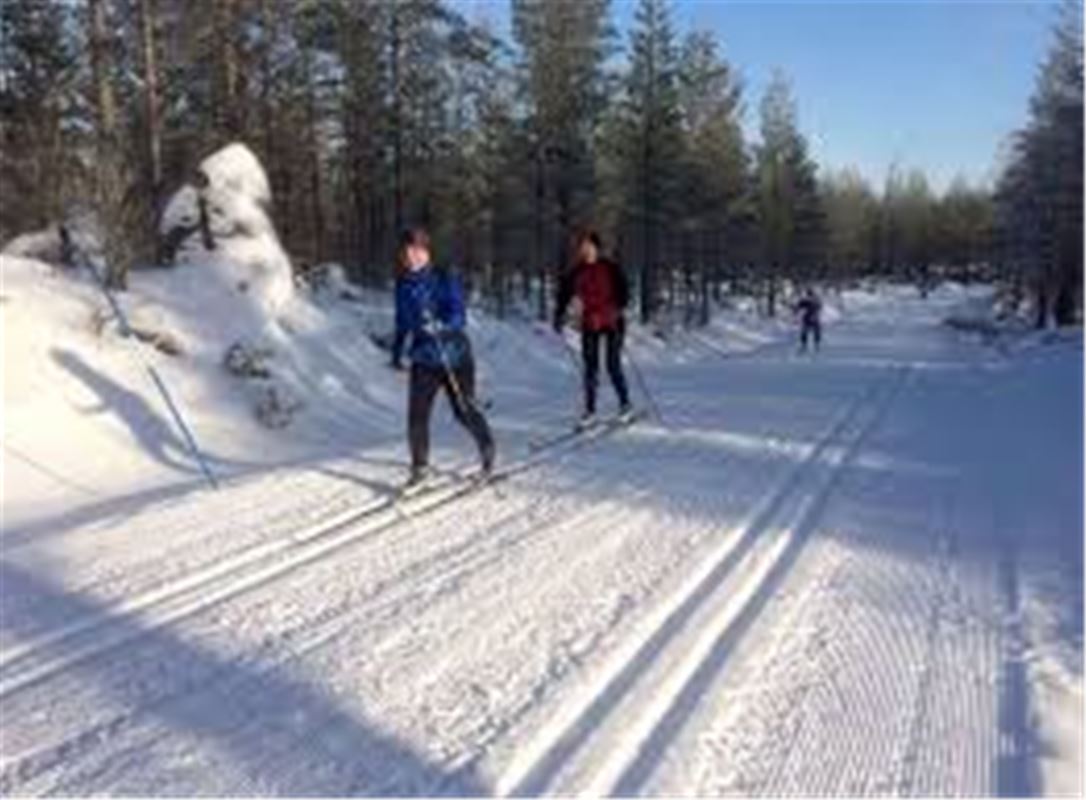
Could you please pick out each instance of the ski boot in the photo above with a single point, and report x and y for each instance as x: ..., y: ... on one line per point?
x: 416, y: 481
x: 487, y: 453
x: 587, y: 420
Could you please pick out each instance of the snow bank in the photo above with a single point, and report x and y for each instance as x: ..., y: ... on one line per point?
x: 47, y: 245
x: 247, y: 258
x: 84, y: 421
x: 43, y: 245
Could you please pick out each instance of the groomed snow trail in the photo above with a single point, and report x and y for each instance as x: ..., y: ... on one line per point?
x: 816, y: 578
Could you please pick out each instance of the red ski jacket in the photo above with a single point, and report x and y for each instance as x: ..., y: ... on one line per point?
x: 602, y: 289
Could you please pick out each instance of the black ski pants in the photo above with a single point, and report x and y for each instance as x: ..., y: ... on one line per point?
x: 590, y: 353
x: 459, y: 385
x: 810, y: 331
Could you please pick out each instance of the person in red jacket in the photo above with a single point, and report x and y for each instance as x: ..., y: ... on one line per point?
x: 603, y: 291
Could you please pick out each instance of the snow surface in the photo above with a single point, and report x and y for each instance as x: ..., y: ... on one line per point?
x: 853, y: 573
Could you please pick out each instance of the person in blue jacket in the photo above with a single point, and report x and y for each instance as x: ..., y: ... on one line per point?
x: 430, y: 313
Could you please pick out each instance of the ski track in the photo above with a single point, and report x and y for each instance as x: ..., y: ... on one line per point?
x: 390, y: 609
x: 244, y: 571
x: 634, y: 705
x: 807, y: 628
x: 923, y: 722
x: 24, y: 768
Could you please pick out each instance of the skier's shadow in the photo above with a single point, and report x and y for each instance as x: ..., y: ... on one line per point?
x: 280, y: 735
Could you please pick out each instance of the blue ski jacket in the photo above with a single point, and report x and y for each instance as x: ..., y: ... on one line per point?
x: 430, y: 310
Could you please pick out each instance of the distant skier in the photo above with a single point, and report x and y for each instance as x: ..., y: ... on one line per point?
x: 430, y: 311
x: 600, y: 285
x: 809, y: 309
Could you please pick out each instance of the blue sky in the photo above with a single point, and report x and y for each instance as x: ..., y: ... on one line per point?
x: 935, y: 84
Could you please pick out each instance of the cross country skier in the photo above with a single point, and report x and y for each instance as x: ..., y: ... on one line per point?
x: 809, y: 309
x: 601, y: 286
x: 430, y: 310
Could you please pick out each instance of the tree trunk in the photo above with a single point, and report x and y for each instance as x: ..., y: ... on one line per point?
x: 109, y: 189
x: 1040, y: 321
x: 228, y: 106
x: 315, y: 180
x: 101, y: 65
x: 541, y: 259
x: 148, y: 12
x: 270, y: 34
x: 397, y: 121
x: 648, y: 243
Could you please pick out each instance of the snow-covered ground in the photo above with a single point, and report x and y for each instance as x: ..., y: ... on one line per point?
x: 856, y: 573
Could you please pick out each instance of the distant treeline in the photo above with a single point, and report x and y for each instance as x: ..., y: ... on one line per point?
x: 372, y: 114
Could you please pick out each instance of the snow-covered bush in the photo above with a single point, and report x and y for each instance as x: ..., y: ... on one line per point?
x: 276, y: 406
x: 244, y: 360
x: 221, y: 224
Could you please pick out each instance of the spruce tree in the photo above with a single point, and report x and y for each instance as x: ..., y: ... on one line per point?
x: 790, y: 211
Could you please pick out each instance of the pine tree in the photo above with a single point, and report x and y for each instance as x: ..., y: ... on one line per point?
x: 562, y: 47
x: 466, y: 170
x: 39, y: 67
x: 1040, y: 192
x: 360, y: 25
x: 715, y: 179
x: 653, y: 152
x: 121, y: 211
x: 315, y: 25
x: 790, y: 209
x: 963, y: 226
x: 851, y: 210
x: 917, y: 208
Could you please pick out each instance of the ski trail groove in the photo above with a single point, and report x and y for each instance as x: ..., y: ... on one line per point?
x: 248, y: 570
x: 451, y: 566
x: 566, y: 744
x: 660, y: 725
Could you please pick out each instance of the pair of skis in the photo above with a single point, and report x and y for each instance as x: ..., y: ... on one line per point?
x: 456, y: 484
x: 448, y: 479
x: 596, y: 428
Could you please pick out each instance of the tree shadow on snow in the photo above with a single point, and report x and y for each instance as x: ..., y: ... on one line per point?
x: 256, y: 727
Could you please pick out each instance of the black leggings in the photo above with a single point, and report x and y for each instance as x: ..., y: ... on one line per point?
x: 590, y: 352
x: 460, y: 389
x: 809, y: 331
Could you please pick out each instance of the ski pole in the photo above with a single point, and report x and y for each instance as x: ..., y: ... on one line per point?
x: 446, y: 365
x: 578, y: 367
x: 463, y: 400
x: 175, y: 412
x: 644, y: 387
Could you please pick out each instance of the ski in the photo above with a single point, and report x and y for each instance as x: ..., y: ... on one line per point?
x: 603, y: 426
x: 550, y: 440
x: 458, y: 485
x: 432, y: 483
